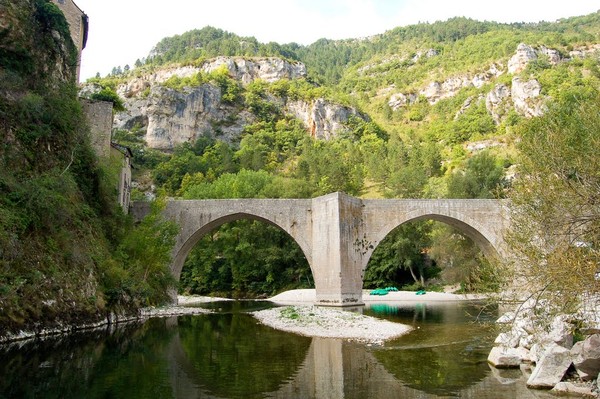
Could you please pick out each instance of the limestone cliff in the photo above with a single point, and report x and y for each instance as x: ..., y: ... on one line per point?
x: 323, y: 118
x: 524, y: 96
x: 172, y: 116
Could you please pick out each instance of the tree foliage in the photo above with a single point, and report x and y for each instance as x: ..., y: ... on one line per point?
x: 245, y: 259
x: 555, y: 213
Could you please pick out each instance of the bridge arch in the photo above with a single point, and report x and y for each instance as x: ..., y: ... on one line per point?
x: 196, y: 218
x: 483, y: 221
x: 182, y: 251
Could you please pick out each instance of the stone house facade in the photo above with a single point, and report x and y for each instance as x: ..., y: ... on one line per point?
x: 78, y: 25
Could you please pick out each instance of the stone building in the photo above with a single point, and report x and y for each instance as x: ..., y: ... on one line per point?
x: 78, y: 25
x: 99, y: 115
x: 124, y: 186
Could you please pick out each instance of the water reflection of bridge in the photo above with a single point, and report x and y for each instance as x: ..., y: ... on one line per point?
x: 335, y: 368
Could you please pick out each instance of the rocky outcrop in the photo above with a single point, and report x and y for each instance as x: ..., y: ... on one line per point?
x: 243, y: 69
x: 496, y: 102
x: 525, y: 54
x: 427, y: 54
x: 171, y: 117
x: 390, y: 62
x: 547, y: 346
x: 399, y: 100
x: 323, y: 118
x: 247, y: 70
x: 436, y: 91
x: 471, y: 100
x: 525, y: 96
x: 585, y: 51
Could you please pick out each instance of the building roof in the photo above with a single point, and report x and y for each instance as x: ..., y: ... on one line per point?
x: 121, y: 148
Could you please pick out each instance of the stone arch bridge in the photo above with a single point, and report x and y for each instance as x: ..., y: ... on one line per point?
x: 337, y: 233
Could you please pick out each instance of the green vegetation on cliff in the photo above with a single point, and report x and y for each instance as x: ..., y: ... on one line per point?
x: 67, y: 252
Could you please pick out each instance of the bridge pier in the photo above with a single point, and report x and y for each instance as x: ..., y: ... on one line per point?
x: 337, y: 254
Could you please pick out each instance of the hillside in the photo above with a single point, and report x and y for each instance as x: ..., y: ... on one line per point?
x: 423, y: 111
x: 449, y: 88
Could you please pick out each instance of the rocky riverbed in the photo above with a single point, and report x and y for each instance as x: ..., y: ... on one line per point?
x: 544, y: 348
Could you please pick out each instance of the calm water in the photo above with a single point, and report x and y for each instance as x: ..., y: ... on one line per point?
x: 230, y: 355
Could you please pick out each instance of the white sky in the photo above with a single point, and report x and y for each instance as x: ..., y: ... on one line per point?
x: 122, y: 31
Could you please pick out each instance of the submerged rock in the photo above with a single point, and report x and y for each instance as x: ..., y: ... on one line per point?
x: 570, y: 389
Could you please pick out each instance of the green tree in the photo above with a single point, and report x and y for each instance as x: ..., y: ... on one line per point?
x: 555, y: 227
x: 483, y: 177
x: 462, y: 262
x: 245, y: 259
x: 107, y: 94
x: 400, y: 259
x: 146, y: 254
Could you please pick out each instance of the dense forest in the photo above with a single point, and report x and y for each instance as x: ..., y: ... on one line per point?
x: 453, y: 146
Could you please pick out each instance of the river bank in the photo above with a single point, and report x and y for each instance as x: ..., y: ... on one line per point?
x: 110, y: 320
x: 308, y: 296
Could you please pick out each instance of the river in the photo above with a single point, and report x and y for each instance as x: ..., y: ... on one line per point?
x: 228, y: 354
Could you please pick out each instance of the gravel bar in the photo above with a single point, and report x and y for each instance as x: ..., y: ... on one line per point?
x: 323, y: 322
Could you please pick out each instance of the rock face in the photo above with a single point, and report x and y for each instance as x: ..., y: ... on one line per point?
x: 525, y: 96
x: 496, y: 102
x: 399, y: 100
x: 524, y: 55
x: 174, y: 117
x: 324, y: 119
x: 171, y: 117
x: 247, y: 70
x: 581, y: 52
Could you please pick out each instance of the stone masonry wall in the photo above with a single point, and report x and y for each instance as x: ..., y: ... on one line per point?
x: 100, y: 118
x: 75, y: 17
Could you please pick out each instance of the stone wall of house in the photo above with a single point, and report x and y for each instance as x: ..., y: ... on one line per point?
x: 77, y: 20
x: 100, y: 118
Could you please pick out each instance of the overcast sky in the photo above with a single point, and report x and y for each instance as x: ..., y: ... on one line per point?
x: 122, y: 31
